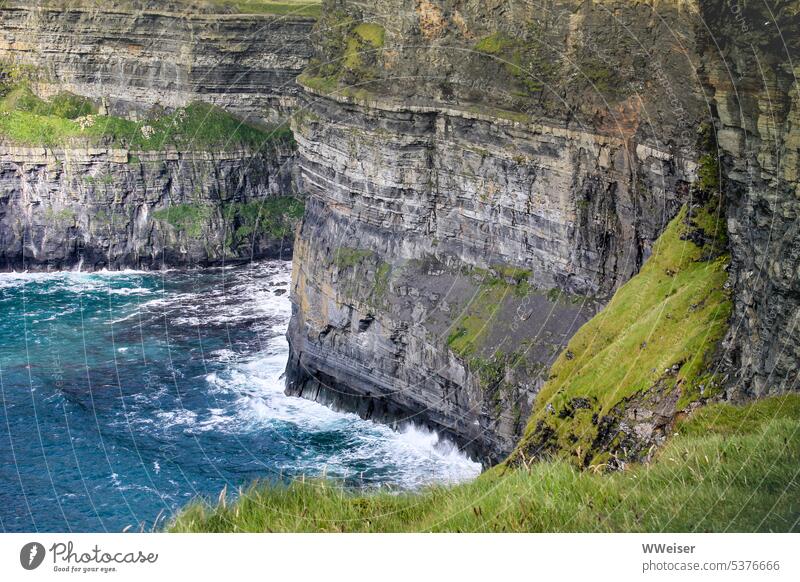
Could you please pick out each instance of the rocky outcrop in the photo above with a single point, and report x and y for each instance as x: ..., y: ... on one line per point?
x: 98, y: 207
x: 92, y: 203
x: 753, y: 70
x: 456, y: 238
x: 136, y: 55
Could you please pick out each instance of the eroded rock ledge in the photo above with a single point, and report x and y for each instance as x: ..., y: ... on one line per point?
x: 137, y: 56
x: 100, y: 207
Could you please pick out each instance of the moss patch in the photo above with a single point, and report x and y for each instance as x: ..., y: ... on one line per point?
x: 273, y: 217
x: 308, y: 8
x: 187, y: 218
x: 529, y: 60
x: 469, y: 330
x: 350, y: 54
x: 660, y: 329
x: 349, y: 257
x: 494, y: 44
x: 285, y: 7
x: 382, y: 276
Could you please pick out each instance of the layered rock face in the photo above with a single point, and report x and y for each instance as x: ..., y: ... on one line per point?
x: 753, y: 70
x: 91, y: 202
x: 139, y: 54
x: 97, y: 207
x: 468, y: 214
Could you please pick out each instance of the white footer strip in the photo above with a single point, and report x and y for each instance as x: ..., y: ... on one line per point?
x: 400, y: 557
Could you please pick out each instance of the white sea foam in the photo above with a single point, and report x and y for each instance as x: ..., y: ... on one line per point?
x: 244, y: 393
x: 173, y: 418
x: 415, y: 456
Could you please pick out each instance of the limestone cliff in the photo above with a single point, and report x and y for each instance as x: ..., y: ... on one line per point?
x: 466, y: 216
x: 484, y: 175
x: 754, y: 67
x: 138, y: 54
x: 146, y: 134
x: 102, y: 207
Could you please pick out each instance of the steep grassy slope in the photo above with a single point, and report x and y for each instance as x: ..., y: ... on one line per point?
x: 648, y: 350
x: 729, y: 469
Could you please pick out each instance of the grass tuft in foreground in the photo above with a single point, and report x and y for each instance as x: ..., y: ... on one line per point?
x: 729, y: 469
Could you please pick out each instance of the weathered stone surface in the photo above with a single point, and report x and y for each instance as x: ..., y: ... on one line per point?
x: 758, y: 105
x: 94, y: 207
x: 425, y: 191
x: 140, y: 55
x: 501, y: 136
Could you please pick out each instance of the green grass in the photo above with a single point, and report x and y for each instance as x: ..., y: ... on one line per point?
x: 348, y: 257
x: 26, y: 119
x: 729, y: 469
x: 371, y: 33
x: 726, y: 467
x: 529, y: 61
x: 495, y: 44
x: 285, y: 7
x: 364, y: 37
x: 478, y: 317
x: 327, y: 84
x: 309, y: 8
x: 659, y: 330
x: 188, y: 218
x: 274, y: 217
x: 382, y: 275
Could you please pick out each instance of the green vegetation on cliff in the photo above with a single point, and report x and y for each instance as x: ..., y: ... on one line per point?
x: 276, y: 217
x: 724, y: 467
x: 478, y: 317
x: 282, y: 7
x: 655, y: 338
x: 26, y: 119
x: 188, y: 218
x: 273, y: 217
x: 728, y: 469
x: 353, y: 56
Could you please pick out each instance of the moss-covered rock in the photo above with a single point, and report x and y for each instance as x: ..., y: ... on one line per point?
x: 646, y: 356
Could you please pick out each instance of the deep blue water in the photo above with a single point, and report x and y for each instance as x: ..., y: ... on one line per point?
x: 125, y: 395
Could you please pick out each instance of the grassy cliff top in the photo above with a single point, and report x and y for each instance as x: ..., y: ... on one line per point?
x: 729, y: 469
x: 66, y: 119
x: 306, y: 8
